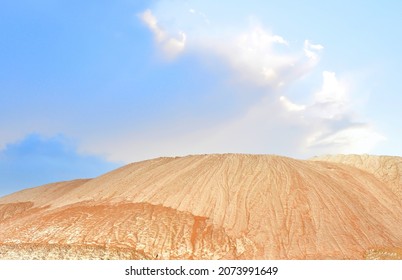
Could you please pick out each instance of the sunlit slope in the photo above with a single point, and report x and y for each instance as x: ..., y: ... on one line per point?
x: 210, y: 207
x: 385, y: 168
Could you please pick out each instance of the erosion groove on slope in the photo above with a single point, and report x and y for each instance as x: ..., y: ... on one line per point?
x: 67, y: 252
x: 147, y: 230
x: 227, y: 206
x: 385, y: 168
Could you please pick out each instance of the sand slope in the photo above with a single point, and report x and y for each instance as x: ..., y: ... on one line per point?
x: 385, y: 168
x: 227, y: 206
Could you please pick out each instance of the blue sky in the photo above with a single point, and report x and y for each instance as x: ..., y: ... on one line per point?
x: 105, y: 83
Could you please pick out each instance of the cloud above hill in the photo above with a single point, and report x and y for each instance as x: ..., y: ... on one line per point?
x: 170, y: 46
x: 326, y: 121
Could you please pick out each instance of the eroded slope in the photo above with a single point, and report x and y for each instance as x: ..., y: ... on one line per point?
x: 246, y: 206
x: 385, y: 168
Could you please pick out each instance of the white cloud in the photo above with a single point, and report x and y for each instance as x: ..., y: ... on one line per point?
x: 255, y: 54
x: 333, y: 126
x: 278, y: 39
x: 352, y: 139
x: 171, y: 46
x: 258, y: 58
x: 332, y: 100
x: 290, y: 106
x: 332, y: 89
x: 150, y: 20
x: 311, y: 50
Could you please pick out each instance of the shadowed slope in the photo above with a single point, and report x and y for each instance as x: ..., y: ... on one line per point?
x: 222, y: 206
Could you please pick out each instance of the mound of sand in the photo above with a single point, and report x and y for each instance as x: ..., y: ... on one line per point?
x: 227, y: 206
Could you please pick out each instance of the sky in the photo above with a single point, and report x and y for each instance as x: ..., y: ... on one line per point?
x: 89, y: 86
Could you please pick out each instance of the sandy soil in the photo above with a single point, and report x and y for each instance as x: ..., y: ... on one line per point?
x: 227, y: 206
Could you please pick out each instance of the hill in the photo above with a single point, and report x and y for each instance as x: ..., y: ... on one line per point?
x: 220, y: 206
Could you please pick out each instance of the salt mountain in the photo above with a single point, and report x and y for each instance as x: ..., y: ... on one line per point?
x: 227, y: 206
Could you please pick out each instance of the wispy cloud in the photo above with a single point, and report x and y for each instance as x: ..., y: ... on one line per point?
x: 170, y: 45
x: 337, y: 129
x: 310, y: 50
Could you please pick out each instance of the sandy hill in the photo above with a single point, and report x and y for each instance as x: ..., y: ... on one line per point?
x: 226, y: 206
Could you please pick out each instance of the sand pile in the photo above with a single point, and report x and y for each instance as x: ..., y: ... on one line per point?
x: 227, y: 206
